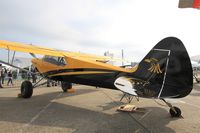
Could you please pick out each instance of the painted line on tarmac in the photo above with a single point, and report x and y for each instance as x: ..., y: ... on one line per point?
x: 145, y: 115
x: 42, y: 111
x: 137, y: 131
x: 129, y: 114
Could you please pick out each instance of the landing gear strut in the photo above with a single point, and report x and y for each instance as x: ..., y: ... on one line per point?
x: 128, y: 97
x: 27, y: 87
x: 174, y: 111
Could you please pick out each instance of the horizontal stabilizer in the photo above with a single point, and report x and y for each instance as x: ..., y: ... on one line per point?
x: 124, y: 84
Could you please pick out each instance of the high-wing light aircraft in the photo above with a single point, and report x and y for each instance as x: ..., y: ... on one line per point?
x: 165, y: 72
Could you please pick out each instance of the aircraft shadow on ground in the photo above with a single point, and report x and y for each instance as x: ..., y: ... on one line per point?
x: 80, y: 119
x: 196, y: 87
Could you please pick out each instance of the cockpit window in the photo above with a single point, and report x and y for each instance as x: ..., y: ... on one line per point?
x: 60, y: 61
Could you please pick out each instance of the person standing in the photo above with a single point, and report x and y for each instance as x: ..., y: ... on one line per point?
x: 10, y: 78
x: 29, y: 75
x: 3, y: 74
x: 0, y: 76
x: 34, y: 76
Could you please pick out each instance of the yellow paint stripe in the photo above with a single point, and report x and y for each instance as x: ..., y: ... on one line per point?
x: 77, y: 73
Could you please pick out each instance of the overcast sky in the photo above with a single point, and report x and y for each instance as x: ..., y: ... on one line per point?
x: 96, y: 26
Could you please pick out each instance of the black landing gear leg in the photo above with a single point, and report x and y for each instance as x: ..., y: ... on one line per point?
x: 128, y: 97
x: 174, y: 111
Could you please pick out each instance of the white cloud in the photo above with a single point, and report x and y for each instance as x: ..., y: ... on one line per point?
x: 95, y: 26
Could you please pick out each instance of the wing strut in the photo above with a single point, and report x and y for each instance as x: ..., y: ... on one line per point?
x: 13, y: 58
x: 3, y: 62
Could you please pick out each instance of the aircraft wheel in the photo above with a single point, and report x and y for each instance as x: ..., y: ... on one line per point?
x: 173, y: 113
x: 65, y: 86
x: 26, y: 89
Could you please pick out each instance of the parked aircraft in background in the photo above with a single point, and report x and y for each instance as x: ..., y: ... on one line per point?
x: 189, y: 4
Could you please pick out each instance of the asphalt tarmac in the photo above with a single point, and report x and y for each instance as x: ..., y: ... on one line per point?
x: 93, y: 110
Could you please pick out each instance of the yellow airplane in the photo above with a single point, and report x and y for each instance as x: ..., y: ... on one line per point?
x: 165, y: 72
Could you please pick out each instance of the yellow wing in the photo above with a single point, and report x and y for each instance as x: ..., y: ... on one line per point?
x: 91, y: 56
x: 28, y: 48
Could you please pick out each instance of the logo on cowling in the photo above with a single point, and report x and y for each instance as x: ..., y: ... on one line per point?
x: 154, y: 65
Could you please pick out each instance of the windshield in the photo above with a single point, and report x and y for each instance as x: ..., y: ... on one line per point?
x: 60, y: 61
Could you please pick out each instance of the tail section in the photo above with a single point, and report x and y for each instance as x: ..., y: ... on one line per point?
x: 166, y: 70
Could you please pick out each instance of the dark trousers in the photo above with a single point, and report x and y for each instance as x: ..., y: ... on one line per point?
x: 10, y: 81
x: 34, y: 79
x: 0, y: 82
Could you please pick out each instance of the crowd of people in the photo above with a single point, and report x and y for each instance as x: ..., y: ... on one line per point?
x: 3, y: 73
x: 31, y: 75
x: 6, y: 73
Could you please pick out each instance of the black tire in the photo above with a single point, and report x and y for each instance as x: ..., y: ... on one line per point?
x: 65, y: 86
x: 26, y: 89
x: 175, y: 114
